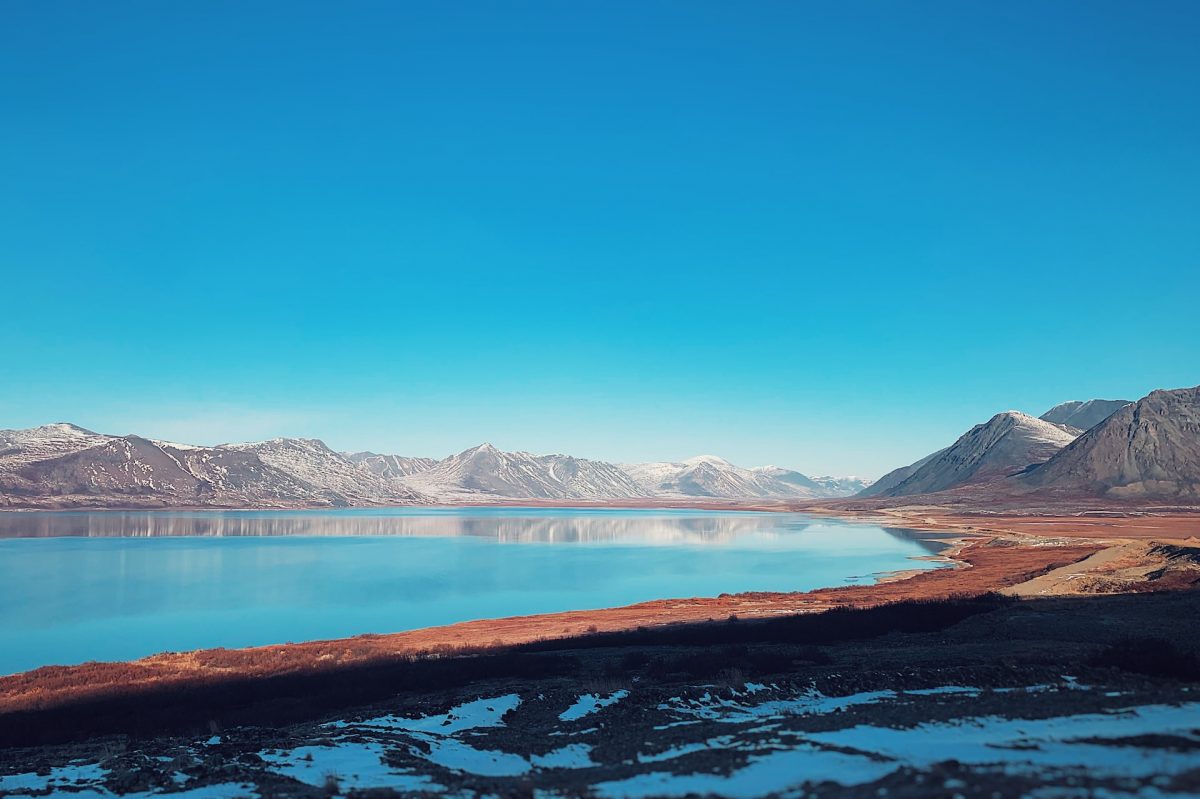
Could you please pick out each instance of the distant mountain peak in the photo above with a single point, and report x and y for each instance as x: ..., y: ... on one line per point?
x: 64, y: 429
x: 713, y: 476
x: 713, y: 460
x: 1083, y: 414
x: 485, y: 471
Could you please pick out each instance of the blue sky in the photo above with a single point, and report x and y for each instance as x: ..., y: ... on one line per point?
x: 830, y: 236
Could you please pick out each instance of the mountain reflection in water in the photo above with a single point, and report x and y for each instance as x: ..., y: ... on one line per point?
x: 107, y: 586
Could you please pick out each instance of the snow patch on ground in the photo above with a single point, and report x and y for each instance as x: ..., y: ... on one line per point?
x: 813, y: 703
x: 454, y: 754
x: 570, y: 756
x: 945, y: 689
x: 73, y: 775
x: 1018, y: 744
x: 467, y: 716
x: 587, y: 704
x: 1073, y: 744
x: 765, y: 774
x: 353, y: 765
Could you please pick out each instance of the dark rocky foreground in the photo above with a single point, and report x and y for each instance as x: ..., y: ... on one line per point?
x: 984, y: 697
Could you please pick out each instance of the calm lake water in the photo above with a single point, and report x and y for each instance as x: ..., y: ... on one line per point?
x: 112, y: 586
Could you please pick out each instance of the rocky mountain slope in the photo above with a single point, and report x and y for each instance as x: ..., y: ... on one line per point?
x: 18, y: 447
x: 1007, y: 443
x: 1147, y: 449
x: 389, y: 466
x: 312, y: 461
x: 61, y: 465
x: 895, y: 477
x: 1083, y: 415
x: 484, y: 471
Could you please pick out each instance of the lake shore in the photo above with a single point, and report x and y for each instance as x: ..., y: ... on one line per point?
x: 1083, y: 695
x: 1046, y: 555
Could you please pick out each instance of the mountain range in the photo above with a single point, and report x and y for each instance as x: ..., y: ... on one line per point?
x: 1148, y: 449
x: 1115, y: 449
x: 485, y: 471
x: 64, y: 465
x: 711, y: 476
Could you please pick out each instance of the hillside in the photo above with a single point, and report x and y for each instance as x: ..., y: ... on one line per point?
x: 129, y: 470
x: 1005, y: 444
x: 316, y: 464
x: 1147, y: 449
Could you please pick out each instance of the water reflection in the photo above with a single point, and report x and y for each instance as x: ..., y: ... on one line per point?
x: 515, y: 525
x: 511, y: 525
x: 79, y: 586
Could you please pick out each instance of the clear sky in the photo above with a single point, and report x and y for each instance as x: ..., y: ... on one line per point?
x: 827, y: 235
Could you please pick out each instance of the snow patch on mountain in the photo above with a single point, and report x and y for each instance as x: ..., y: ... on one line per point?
x: 316, y: 464
x: 1083, y: 415
x: 389, y: 466
x: 1004, y: 445
x: 717, y: 478
x: 485, y: 471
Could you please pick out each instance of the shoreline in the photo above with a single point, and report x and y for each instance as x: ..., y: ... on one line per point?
x: 731, y: 506
x: 1001, y: 555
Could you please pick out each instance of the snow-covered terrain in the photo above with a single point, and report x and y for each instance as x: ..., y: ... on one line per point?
x: 743, y: 741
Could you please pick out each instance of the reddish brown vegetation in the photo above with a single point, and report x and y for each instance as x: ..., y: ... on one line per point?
x: 994, y: 552
x: 988, y: 566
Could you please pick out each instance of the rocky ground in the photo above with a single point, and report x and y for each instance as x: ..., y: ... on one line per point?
x: 985, y: 697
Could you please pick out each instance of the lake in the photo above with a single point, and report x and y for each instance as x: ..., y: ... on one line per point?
x: 114, y: 586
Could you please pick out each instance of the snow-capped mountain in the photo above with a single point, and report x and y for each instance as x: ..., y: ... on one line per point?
x: 711, y: 476
x: 56, y: 465
x: 840, y: 486
x: 389, y: 466
x: 1005, y: 444
x: 310, y: 460
x: 701, y: 476
x: 484, y: 471
x: 66, y: 465
x: 1083, y: 415
x: 48, y: 441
